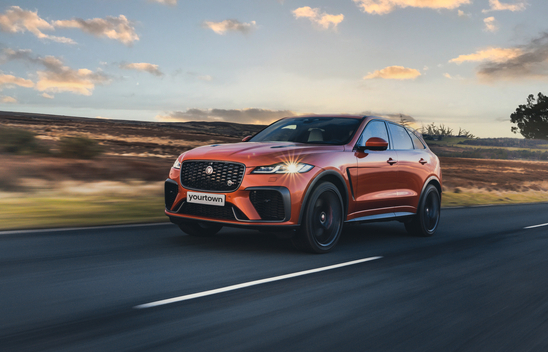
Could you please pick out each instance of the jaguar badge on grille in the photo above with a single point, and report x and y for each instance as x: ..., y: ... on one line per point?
x: 209, y: 170
x: 229, y: 183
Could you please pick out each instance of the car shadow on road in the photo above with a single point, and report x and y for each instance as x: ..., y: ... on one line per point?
x: 241, y: 240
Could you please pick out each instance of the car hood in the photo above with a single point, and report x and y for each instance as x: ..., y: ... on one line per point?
x: 259, y: 153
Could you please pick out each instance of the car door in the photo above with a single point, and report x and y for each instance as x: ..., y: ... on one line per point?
x: 413, y: 166
x: 375, y: 178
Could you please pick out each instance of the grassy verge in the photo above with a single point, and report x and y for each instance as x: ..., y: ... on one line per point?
x: 46, y: 211
x: 486, y: 198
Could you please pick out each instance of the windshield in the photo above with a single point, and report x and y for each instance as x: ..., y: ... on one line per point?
x: 312, y: 130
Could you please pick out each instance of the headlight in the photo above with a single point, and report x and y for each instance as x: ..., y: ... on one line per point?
x: 283, y: 168
x: 176, y: 164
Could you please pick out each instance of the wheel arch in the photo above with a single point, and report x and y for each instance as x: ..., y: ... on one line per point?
x: 432, y: 180
x: 327, y: 176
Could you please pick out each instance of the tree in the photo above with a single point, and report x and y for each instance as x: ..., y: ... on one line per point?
x: 532, y: 118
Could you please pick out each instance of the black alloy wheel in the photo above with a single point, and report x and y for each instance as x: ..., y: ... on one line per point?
x: 322, y: 220
x: 200, y: 229
x: 427, y: 219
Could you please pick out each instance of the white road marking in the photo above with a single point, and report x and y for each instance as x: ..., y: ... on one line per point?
x: 251, y: 283
x: 534, y: 226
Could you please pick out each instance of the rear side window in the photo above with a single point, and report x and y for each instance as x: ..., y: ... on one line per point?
x: 416, y: 141
x: 400, y: 137
x: 375, y: 128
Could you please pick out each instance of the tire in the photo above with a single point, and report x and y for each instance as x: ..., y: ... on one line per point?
x: 200, y: 229
x: 322, y: 222
x: 427, y: 219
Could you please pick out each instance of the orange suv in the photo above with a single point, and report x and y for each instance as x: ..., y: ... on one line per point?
x: 307, y: 176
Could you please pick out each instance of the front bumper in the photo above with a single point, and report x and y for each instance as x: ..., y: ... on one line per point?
x: 261, y: 200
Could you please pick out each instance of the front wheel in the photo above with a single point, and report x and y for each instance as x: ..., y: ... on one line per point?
x: 427, y: 219
x: 322, y: 220
x: 200, y: 229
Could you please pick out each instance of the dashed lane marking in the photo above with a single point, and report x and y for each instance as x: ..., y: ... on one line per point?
x: 251, y: 283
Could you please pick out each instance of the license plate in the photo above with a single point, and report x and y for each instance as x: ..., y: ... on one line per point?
x: 206, y: 198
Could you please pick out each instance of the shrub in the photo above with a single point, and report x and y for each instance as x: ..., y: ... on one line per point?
x: 79, y: 148
x: 18, y: 141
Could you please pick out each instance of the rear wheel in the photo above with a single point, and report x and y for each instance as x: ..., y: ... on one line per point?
x: 427, y: 219
x: 322, y: 220
x: 200, y: 229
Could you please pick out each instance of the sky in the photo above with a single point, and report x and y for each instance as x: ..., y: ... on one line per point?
x: 462, y: 63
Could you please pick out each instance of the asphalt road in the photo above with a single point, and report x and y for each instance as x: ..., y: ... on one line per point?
x: 480, y: 284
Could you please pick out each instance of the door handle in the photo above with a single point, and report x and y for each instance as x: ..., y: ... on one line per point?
x: 391, y: 161
x: 422, y: 161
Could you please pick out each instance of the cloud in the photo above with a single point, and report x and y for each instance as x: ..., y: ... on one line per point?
x: 250, y: 116
x: 531, y: 63
x: 59, y: 78
x: 497, y: 6
x: 117, y: 28
x: 5, y: 99
x: 448, y: 76
x: 528, y: 61
x: 15, y: 19
x: 47, y: 96
x: 142, y: 66
x: 324, y: 20
x: 165, y: 2
x: 490, y: 24
x: 394, y: 72
x: 205, y: 78
x: 230, y: 26
x: 56, y: 77
x: 463, y: 14
x: 381, y: 7
x: 491, y: 54
x: 10, y: 81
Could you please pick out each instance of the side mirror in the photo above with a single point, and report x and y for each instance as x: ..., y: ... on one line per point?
x: 246, y: 138
x: 374, y: 143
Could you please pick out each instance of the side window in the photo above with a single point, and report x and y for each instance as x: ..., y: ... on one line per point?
x: 400, y: 137
x: 416, y: 141
x: 375, y: 128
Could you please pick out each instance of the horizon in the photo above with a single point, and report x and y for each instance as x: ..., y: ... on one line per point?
x: 459, y: 63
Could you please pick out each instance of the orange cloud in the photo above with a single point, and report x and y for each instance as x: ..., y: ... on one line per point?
x: 9, y: 81
x: 381, y: 7
x: 490, y: 54
x: 15, y: 19
x: 142, y: 66
x: 394, y: 72
x: 60, y: 78
x: 324, y: 20
x: 6, y: 99
x: 117, y: 28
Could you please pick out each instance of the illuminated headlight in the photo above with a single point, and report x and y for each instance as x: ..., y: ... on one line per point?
x: 283, y: 168
x: 176, y: 164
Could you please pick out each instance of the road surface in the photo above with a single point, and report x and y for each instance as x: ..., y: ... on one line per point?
x: 480, y: 284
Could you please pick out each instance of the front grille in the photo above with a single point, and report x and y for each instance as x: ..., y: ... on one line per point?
x: 269, y: 204
x: 226, y: 177
x: 170, y: 192
x: 208, y: 211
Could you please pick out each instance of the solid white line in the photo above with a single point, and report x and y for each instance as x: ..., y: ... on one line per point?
x: 104, y: 227
x: 532, y: 227
x: 251, y: 283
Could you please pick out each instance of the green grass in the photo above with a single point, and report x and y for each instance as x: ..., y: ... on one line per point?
x: 43, y: 211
